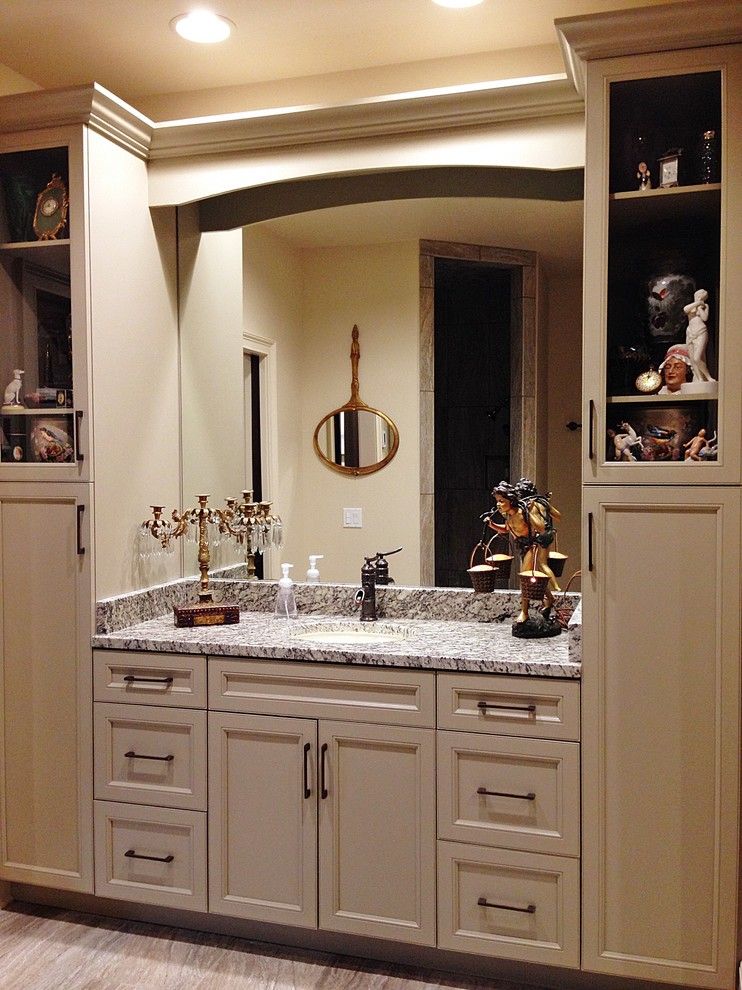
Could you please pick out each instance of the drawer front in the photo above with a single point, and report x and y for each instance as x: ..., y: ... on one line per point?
x: 150, y: 855
x: 508, y: 904
x: 151, y: 756
x: 509, y: 792
x: 361, y: 694
x: 149, y: 678
x: 513, y: 706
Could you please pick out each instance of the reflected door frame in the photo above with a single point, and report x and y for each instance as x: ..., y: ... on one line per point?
x: 265, y: 350
x: 527, y: 376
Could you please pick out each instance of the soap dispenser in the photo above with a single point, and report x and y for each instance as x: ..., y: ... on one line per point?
x: 313, y: 573
x: 286, y: 601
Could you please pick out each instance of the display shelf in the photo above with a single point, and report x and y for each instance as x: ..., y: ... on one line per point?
x: 629, y: 209
x: 53, y: 255
x: 672, y: 397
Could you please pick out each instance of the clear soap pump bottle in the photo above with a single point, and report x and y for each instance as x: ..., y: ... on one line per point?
x: 286, y: 600
x: 313, y: 573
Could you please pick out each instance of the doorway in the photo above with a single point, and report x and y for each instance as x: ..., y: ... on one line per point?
x: 526, y: 411
x: 253, y: 436
x: 472, y: 308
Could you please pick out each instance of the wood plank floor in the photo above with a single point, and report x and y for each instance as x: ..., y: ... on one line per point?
x: 44, y: 948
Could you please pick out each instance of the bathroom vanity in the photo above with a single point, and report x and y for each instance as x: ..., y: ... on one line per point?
x: 414, y: 780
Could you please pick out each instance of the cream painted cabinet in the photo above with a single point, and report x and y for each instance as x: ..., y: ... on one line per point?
x: 46, y: 740
x: 349, y: 800
x: 661, y: 734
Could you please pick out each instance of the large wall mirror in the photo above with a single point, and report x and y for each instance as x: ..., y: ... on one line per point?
x: 266, y: 310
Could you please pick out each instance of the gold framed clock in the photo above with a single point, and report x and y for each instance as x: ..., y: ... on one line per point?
x: 50, y: 215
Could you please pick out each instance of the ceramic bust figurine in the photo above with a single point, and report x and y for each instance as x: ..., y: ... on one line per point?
x: 644, y: 176
x: 696, y: 335
x: 12, y: 398
x: 675, y: 369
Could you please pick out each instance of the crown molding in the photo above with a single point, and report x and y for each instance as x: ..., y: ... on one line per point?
x: 693, y: 24
x: 91, y: 104
x: 105, y: 113
x: 407, y: 113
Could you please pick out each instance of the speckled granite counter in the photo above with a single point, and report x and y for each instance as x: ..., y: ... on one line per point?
x: 486, y: 645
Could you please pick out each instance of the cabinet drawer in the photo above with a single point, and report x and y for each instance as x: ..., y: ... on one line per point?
x: 534, y: 792
x: 362, y: 694
x: 511, y: 706
x: 150, y: 756
x: 150, y: 855
x: 149, y: 678
x: 532, y: 904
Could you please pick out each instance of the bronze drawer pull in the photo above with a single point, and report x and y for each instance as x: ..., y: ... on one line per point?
x: 307, y: 789
x: 525, y: 797
x: 131, y: 678
x: 131, y: 755
x: 484, y: 705
x: 130, y: 854
x: 323, y: 792
x: 530, y: 909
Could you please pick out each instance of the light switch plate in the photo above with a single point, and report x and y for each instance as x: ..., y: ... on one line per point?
x: 352, y: 518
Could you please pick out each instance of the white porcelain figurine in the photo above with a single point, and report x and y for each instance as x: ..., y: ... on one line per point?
x: 12, y: 399
x: 696, y: 336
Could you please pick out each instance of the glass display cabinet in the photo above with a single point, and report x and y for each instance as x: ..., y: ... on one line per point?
x: 661, y: 381
x: 39, y: 420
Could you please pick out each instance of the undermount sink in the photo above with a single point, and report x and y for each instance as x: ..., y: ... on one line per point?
x: 352, y: 632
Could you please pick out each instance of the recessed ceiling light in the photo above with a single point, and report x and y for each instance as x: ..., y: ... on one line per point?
x: 202, y: 26
x: 458, y: 3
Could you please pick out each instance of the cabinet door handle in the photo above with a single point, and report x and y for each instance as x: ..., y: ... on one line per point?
x: 524, y: 797
x: 322, y: 764
x: 80, y: 547
x: 529, y: 909
x: 307, y: 791
x: 591, y: 430
x: 485, y: 706
x: 131, y: 755
x: 78, y: 419
x: 132, y: 678
x: 589, y: 541
x: 130, y: 854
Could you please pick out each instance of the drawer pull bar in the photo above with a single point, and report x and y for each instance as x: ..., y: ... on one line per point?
x: 307, y: 789
x: 484, y: 706
x: 524, y: 797
x: 132, y: 678
x: 530, y: 909
x: 131, y: 755
x: 130, y: 854
x: 323, y: 770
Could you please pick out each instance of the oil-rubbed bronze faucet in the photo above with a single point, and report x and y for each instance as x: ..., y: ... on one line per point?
x: 368, y: 587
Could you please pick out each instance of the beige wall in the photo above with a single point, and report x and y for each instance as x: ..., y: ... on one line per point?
x: 13, y: 82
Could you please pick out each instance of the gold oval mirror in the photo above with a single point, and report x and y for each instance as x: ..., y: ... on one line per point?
x: 356, y: 439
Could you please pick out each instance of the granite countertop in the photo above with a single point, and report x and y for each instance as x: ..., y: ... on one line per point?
x: 431, y: 644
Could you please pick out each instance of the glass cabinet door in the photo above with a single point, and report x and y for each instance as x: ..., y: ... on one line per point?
x: 39, y: 421
x: 667, y: 373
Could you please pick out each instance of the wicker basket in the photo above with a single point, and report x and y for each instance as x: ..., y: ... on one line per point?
x: 556, y: 560
x: 533, y: 585
x: 482, y: 576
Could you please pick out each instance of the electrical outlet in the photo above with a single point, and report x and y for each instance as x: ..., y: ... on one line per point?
x: 352, y: 518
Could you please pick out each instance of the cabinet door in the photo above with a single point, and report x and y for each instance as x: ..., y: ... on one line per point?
x: 377, y: 831
x: 263, y: 818
x: 660, y: 714
x: 46, y: 741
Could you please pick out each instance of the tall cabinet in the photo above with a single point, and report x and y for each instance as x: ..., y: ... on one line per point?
x: 661, y: 491
x: 86, y: 300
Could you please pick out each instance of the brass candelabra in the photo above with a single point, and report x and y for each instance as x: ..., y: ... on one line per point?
x: 249, y: 524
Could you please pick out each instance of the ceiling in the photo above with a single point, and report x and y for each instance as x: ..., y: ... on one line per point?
x: 280, y: 49
x: 129, y: 47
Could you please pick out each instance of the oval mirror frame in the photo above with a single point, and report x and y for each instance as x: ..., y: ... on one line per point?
x: 356, y: 404
x: 364, y: 468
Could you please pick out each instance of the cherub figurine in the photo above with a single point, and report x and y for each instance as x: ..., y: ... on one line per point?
x: 529, y: 520
x: 699, y: 448
x: 696, y: 335
x: 644, y: 176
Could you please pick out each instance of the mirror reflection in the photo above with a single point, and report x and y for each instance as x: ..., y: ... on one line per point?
x: 361, y: 440
x: 265, y: 313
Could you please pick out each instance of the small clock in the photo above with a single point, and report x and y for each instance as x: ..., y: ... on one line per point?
x: 670, y: 168
x: 648, y: 381
x: 50, y: 215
